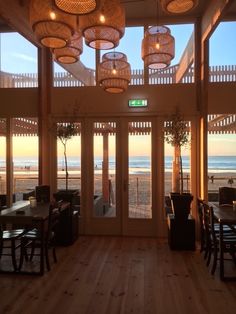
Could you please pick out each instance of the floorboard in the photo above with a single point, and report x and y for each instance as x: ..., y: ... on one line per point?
x: 114, y: 275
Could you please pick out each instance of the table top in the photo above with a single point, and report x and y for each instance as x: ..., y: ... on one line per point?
x: 21, y: 212
x: 225, y: 214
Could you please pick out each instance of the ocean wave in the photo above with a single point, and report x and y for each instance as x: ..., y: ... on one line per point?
x: 138, y: 164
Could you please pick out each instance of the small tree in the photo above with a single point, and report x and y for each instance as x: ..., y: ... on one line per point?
x: 65, y: 131
x: 177, y: 135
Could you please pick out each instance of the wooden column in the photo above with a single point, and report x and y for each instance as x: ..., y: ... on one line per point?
x: 47, y: 138
x: 9, y: 163
x: 97, y: 61
x: 204, y: 29
x: 201, y: 79
x: 105, y: 165
x: 145, y: 70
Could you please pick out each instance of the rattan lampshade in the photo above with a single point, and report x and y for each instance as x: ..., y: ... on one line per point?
x: 114, y: 73
x: 72, y: 51
x: 52, y: 27
x: 103, y: 28
x: 77, y: 7
x: 158, y: 47
x: 178, y: 6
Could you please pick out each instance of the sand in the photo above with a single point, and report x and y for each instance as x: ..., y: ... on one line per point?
x: 139, y: 185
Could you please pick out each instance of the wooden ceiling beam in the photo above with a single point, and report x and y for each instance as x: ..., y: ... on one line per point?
x: 213, y: 15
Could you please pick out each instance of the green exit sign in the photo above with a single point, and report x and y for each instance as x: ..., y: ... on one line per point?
x: 137, y: 103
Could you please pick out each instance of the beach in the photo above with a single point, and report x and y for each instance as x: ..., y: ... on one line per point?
x: 139, y: 183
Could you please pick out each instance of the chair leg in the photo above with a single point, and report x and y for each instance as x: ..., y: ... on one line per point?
x: 23, y: 253
x: 1, y: 247
x: 208, y: 258
x: 214, y: 261
x: 32, y: 250
x: 54, y: 254
x: 203, y: 245
x: 13, y: 255
x: 47, y: 258
x: 207, y: 249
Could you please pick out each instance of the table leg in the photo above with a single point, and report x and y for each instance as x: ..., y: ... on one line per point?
x: 221, y: 253
x: 42, y: 248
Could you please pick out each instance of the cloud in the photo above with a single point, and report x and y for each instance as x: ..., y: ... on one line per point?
x: 24, y: 57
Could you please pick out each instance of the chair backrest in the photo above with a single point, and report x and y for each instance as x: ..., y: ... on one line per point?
x: 200, y: 213
x: 53, y: 220
x: 212, y: 223
x: 42, y: 193
x: 227, y: 195
x: 206, y: 219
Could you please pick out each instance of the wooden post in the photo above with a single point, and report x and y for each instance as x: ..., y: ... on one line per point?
x: 146, y: 72
x: 105, y: 171
x: 9, y: 163
x: 47, y: 140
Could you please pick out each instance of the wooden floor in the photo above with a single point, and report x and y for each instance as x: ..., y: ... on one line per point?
x: 119, y: 275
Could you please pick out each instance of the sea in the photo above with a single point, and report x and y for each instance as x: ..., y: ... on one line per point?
x: 137, y: 164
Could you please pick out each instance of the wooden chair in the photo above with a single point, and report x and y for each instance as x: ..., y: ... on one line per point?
x: 212, y: 238
x: 42, y: 193
x: 9, y: 245
x: 33, y: 239
x: 202, y: 227
x: 229, y: 241
x: 227, y: 195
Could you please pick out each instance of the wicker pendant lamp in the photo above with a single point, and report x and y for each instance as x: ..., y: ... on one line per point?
x: 52, y: 27
x: 114, y: 73
x: 104, y: 28
x: 77, y: 6
x: 178, y: 6
x: 72, y: 51
x: 158, y: 47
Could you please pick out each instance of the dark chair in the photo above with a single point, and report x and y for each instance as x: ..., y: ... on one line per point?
x: 42, y: 193
x: 229, y: 242
x: 33, y: 239
x: 227, y: 195
x: 3, y: 200
x: 201, y: 224
x: 208, y: 228
x: 8, y: 243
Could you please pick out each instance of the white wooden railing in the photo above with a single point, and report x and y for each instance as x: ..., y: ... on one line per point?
x: 224, y: 73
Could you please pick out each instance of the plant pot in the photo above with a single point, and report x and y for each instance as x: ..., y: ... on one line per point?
x: 181, y: 204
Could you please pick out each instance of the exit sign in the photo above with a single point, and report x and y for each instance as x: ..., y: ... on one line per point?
x: 137, y: 103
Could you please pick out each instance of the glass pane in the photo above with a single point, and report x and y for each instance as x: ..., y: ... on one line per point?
x: 25, y: 156
x: 221, y: 153
x: 81, y: 73
x: 104, y: 169
x: 140, y: 196
x: 221, y: 53
x: 19, y: 62
x: 173, y: 182
x: 73, y: 158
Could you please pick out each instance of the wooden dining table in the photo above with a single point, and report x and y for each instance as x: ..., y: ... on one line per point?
x: 224, y: 215
x: 23, y: 215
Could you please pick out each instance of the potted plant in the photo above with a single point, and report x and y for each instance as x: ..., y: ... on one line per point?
x: 64, y: 132
x: 177, y: 135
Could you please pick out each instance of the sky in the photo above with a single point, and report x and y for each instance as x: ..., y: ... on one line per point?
x: 17, y: 55
x: 20, y: 56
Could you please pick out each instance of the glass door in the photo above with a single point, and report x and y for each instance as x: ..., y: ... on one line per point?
x: 138, y: 179
x: 123, y: 182
x: 104, y: 217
